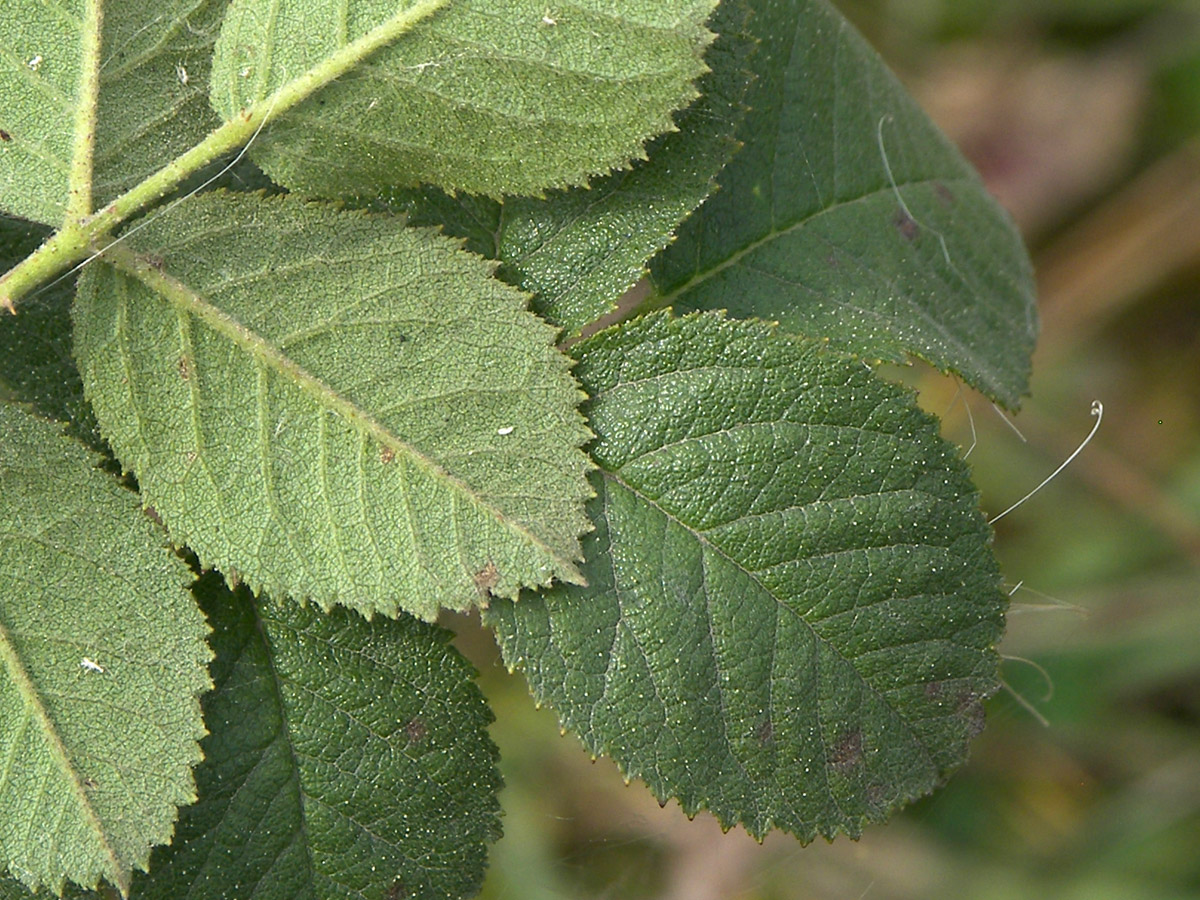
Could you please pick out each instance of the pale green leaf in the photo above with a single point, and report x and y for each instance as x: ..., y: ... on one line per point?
x: 792, y: 601
x: 484, y: 96
x: 577, y: 251
x: 850, y: 216
x: 102, y: 660
x: 334, y: 406
x: 149, y: 65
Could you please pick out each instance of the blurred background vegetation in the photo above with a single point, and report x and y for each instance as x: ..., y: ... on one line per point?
x: 1084, y: 118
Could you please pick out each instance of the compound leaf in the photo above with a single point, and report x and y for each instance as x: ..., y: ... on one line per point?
x: 484, y: 96
x: 577, y: 251
x: 102, y: 661
x: 850, y: 216
x: 334, y: 406
x: 792, y: 601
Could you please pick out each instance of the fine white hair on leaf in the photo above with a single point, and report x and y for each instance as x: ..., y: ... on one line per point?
x: 1098, y: 412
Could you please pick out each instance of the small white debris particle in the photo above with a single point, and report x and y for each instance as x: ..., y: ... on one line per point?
x: 245, y: 73
x: 548, y: 20
x: 182, y: 73
x: 35, y: 63
x: 91, y: 666
x: 506, y: 430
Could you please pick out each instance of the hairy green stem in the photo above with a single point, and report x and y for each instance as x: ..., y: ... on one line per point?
x: 77, y: 239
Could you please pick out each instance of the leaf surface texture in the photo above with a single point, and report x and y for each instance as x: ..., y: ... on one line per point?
x: 508, y: 97
x: 102, y: 660
x: 151, y: 64
x: 336, y: 407
x: 848, y: 215
x: 791, y: 599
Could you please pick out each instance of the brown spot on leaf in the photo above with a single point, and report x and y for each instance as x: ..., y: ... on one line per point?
x: 90, y: 783
x: 933, y: 690
x: 944, y: 194
x: 153, y: 516
x: 847, y: 752
x: 398, y: 890
x: 386, y: 455
x: 487, y: 578
x: 970, y: 709
x: 415, y: 730
x: 907, y: 225
x: 5, y: 136
x: 185, y: 368
x: 766, y: 732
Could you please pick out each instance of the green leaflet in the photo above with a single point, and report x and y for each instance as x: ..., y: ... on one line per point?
x: 812, y: 229
x: 335, y: 406
x: 508, y: 97
x: 577, y: 251
x: 151, y: 68
x: 347, y: 759
x: 792, y: 601
x: 102, y: 659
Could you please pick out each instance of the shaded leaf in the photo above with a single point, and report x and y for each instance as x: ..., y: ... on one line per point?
x: 484, y: 96
x: 335, y: 406
x: 850, y: 216
x: 102, y: 657
x: 151, y: 64
x: 792, y: 602
x: 577, y: 251
x: 36, y: 366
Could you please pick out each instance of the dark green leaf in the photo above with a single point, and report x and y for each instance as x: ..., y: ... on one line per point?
x: 577, y: 251
x: 850, y: 216
x: 792, y: 601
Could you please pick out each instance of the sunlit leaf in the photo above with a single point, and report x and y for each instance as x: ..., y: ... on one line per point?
x: 484, y: 96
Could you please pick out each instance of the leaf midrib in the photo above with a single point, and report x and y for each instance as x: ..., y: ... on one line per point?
x: 189, y: 302
x: 17, y: 673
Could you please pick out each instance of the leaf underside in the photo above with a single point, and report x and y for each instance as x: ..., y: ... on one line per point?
x: 153, y: 72
x: 102, y: 660
x: 848, y: 215
x: 489, y: 97
x: 334, y: 406
x: 792, y: 601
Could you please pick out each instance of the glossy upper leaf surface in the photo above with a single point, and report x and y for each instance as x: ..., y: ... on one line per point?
x: 792, y: 601
x: 484, y: 96
x: 336, y: 407
x: 102, y: 661
x: 848, y: 215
